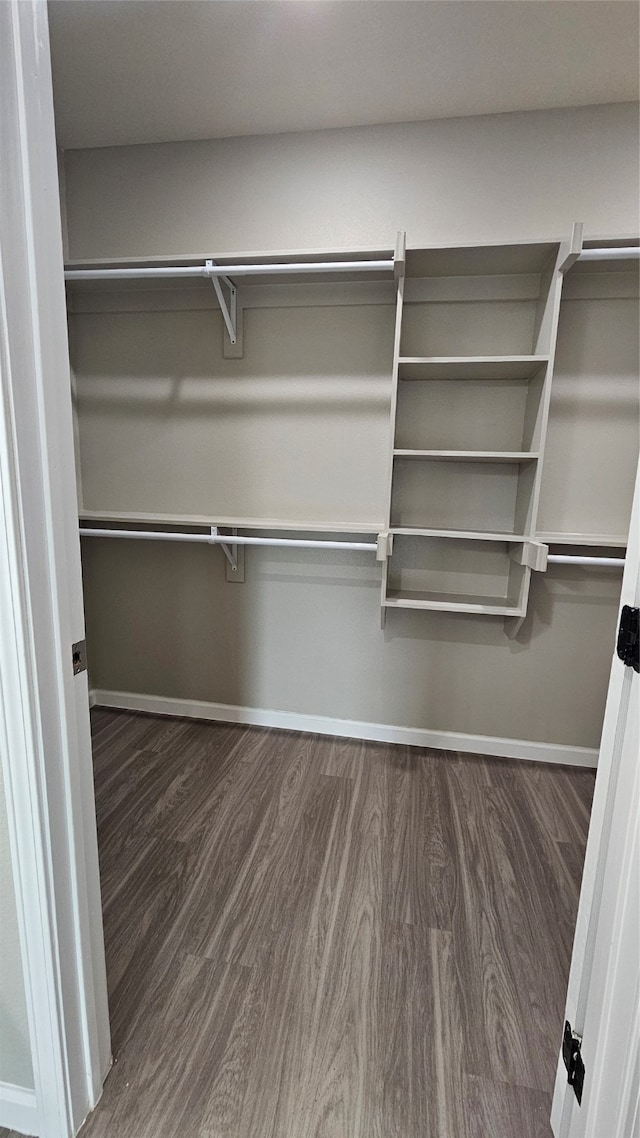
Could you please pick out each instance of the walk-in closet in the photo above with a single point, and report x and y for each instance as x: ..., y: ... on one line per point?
x: 354, y: 408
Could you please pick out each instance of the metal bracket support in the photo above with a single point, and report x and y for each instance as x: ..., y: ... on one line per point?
x: 230, y: 550
x: 229, y: 312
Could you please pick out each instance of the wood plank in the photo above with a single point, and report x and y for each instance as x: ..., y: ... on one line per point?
x: 503, y: 1111
x: 344, y: 1043
x: 141, y: 930
x: 407, y: 1028
x: 275, y: 1100
x: 421, y: 868
x: 448, y: 1037
x: 485, y: 948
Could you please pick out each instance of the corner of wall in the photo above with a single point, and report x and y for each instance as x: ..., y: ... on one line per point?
x: 62, y: 190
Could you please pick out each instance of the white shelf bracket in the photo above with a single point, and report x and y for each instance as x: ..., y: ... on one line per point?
x: 230, y: 550
x: 229, y: 311
x: 384, y: 546
x: 575, y: 246
x: 532, y: 554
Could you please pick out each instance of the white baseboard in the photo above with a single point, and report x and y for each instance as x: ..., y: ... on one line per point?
x: 18, y: 1109
x: 351, y: 728
x: 92, y: 698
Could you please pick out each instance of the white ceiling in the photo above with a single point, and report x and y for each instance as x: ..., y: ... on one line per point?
x: 135, y: 71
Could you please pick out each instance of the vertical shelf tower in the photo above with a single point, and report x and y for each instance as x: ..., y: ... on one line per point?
x: 475, y: 339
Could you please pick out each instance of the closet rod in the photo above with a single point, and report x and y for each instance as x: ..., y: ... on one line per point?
x: 621, y: 253
x: 566, y: 559
x: 229, y: 539
x: 228, y: 270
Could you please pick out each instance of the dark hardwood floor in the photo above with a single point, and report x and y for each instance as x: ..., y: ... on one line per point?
x: 310, y: 937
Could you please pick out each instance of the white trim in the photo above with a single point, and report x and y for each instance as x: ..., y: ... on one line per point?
x: 350, y: 728
x: 18, y: 1109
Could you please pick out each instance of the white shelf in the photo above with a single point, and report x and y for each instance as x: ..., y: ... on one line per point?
x: 454, y: 602
x: 480, y: 260
x: 312, y: 260
x: 604, y: 264
x: 470, y: 367
x: 461, y: 534
x: 601, y: 540
x: 468, y: 455
x: 141, y: 518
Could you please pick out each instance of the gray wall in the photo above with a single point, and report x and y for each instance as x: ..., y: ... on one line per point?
x: 492, y: 178
x: 15, y: 1051
x: 302, y: 634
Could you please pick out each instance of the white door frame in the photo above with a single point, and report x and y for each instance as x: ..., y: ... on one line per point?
x: 44, y: 718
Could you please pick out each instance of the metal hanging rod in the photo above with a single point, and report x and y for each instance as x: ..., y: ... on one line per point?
x: 567, y: 559
x: 211, y: 270
x: 219, y: 275
x: 619, y: 253
x: 215, y: 538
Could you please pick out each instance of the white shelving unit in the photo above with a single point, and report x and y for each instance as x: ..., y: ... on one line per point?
x: 473, y: 358
x: 474, y: 349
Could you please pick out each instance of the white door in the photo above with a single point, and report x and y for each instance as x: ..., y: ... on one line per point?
x: 45, y: 743
x: 603, y: 997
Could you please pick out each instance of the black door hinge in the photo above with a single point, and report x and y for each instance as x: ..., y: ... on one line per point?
x: 628, y: 647
x: 571, y: 1044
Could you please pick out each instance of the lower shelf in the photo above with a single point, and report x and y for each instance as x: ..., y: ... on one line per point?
x: 450, y: 602
x: 452, y: 574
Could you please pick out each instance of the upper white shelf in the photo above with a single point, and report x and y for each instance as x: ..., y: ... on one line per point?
x: 621, y: 256
x: 137, y: 518
x: 470, y: 367
x: 484, y: 260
